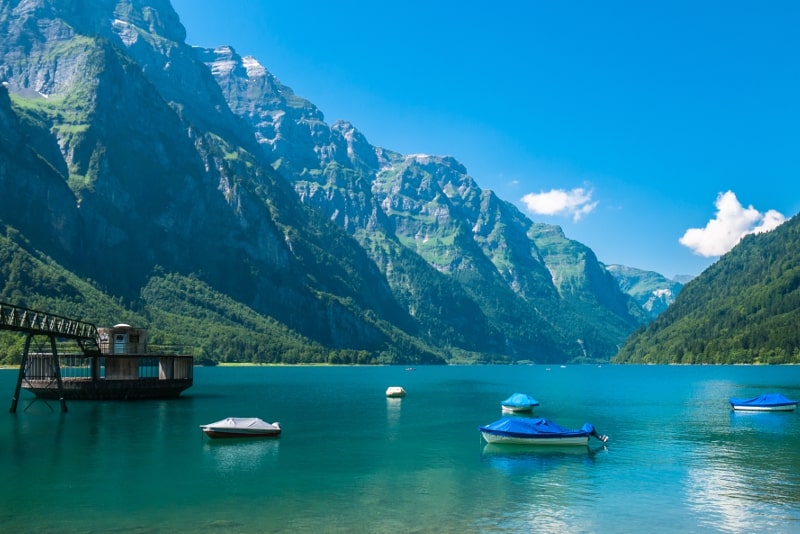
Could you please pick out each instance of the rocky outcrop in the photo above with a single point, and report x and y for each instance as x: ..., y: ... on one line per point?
x: 652, y: 291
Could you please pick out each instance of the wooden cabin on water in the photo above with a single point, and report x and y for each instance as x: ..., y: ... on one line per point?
x: 124, y: 367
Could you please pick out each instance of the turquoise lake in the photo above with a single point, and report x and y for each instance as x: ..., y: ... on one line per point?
x: 351, y: 460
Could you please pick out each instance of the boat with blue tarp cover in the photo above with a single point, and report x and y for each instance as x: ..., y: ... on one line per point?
x: 539, y: 431
x: 769, y: 402
x: 519, y: 402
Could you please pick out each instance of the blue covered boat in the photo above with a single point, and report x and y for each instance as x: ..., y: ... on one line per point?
x: 519, y: 402
x: 525, y: 431
x: 770, y: 402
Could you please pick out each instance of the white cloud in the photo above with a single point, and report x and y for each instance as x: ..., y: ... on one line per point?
x: 732, y: 222
x: 575, y: 203
x: 771, y: 220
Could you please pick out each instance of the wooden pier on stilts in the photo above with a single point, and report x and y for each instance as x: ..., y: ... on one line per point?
x: 35, y: 324
x: 106, y: 363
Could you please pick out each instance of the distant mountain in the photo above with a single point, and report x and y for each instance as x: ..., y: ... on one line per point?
x: 652, y: 291
x: 745, y: 308
x: 201, y: 195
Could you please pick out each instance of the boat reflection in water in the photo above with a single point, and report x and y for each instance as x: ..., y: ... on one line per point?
x: 537, y: 459
x: 233, y: 456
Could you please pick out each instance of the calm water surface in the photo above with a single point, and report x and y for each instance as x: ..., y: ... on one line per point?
x: 351, y: 460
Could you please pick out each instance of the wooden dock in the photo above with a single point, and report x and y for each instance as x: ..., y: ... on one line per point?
x: 98, y: 364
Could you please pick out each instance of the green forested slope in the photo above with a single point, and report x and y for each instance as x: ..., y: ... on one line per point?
x: 177, y: 310
x: 743, y: 309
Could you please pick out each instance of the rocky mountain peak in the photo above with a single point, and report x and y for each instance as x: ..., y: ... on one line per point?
x: 58, y: 19
x: 156, y: 17
x: 360, y: 153
x: 253, y: 67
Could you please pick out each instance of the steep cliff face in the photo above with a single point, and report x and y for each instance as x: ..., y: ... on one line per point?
x: 142, y: 164
x: 34, y: 196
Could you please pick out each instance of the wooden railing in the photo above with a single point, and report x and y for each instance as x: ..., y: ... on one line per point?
x: 36, y: 322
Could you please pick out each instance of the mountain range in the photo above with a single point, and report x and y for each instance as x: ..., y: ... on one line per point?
x: 147, y: 181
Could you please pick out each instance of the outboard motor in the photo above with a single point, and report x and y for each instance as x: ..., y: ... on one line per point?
x: 589, y: 427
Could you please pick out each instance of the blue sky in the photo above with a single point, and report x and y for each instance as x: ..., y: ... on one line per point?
x: 656, y: 133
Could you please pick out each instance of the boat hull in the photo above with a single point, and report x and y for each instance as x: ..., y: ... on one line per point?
x: 217, y: 434
x: 125, y: 376
x: 778, y: 408
x: 84, y: 389
x: 771, y: 402
x: 541, y: 441
x: 517, y: 409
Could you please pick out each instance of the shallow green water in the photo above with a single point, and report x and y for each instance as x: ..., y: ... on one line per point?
x: 351, y: 460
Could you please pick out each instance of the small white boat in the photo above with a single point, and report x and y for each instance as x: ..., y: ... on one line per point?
x: 242, y: 427
x: 395, y: 391
x: 771, y: 402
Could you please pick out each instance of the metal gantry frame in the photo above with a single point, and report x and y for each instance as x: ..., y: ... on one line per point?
x: 35, y: 323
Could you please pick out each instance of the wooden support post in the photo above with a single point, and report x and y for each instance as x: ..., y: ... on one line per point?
x: 21, y: 373
x: 57, y: 367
